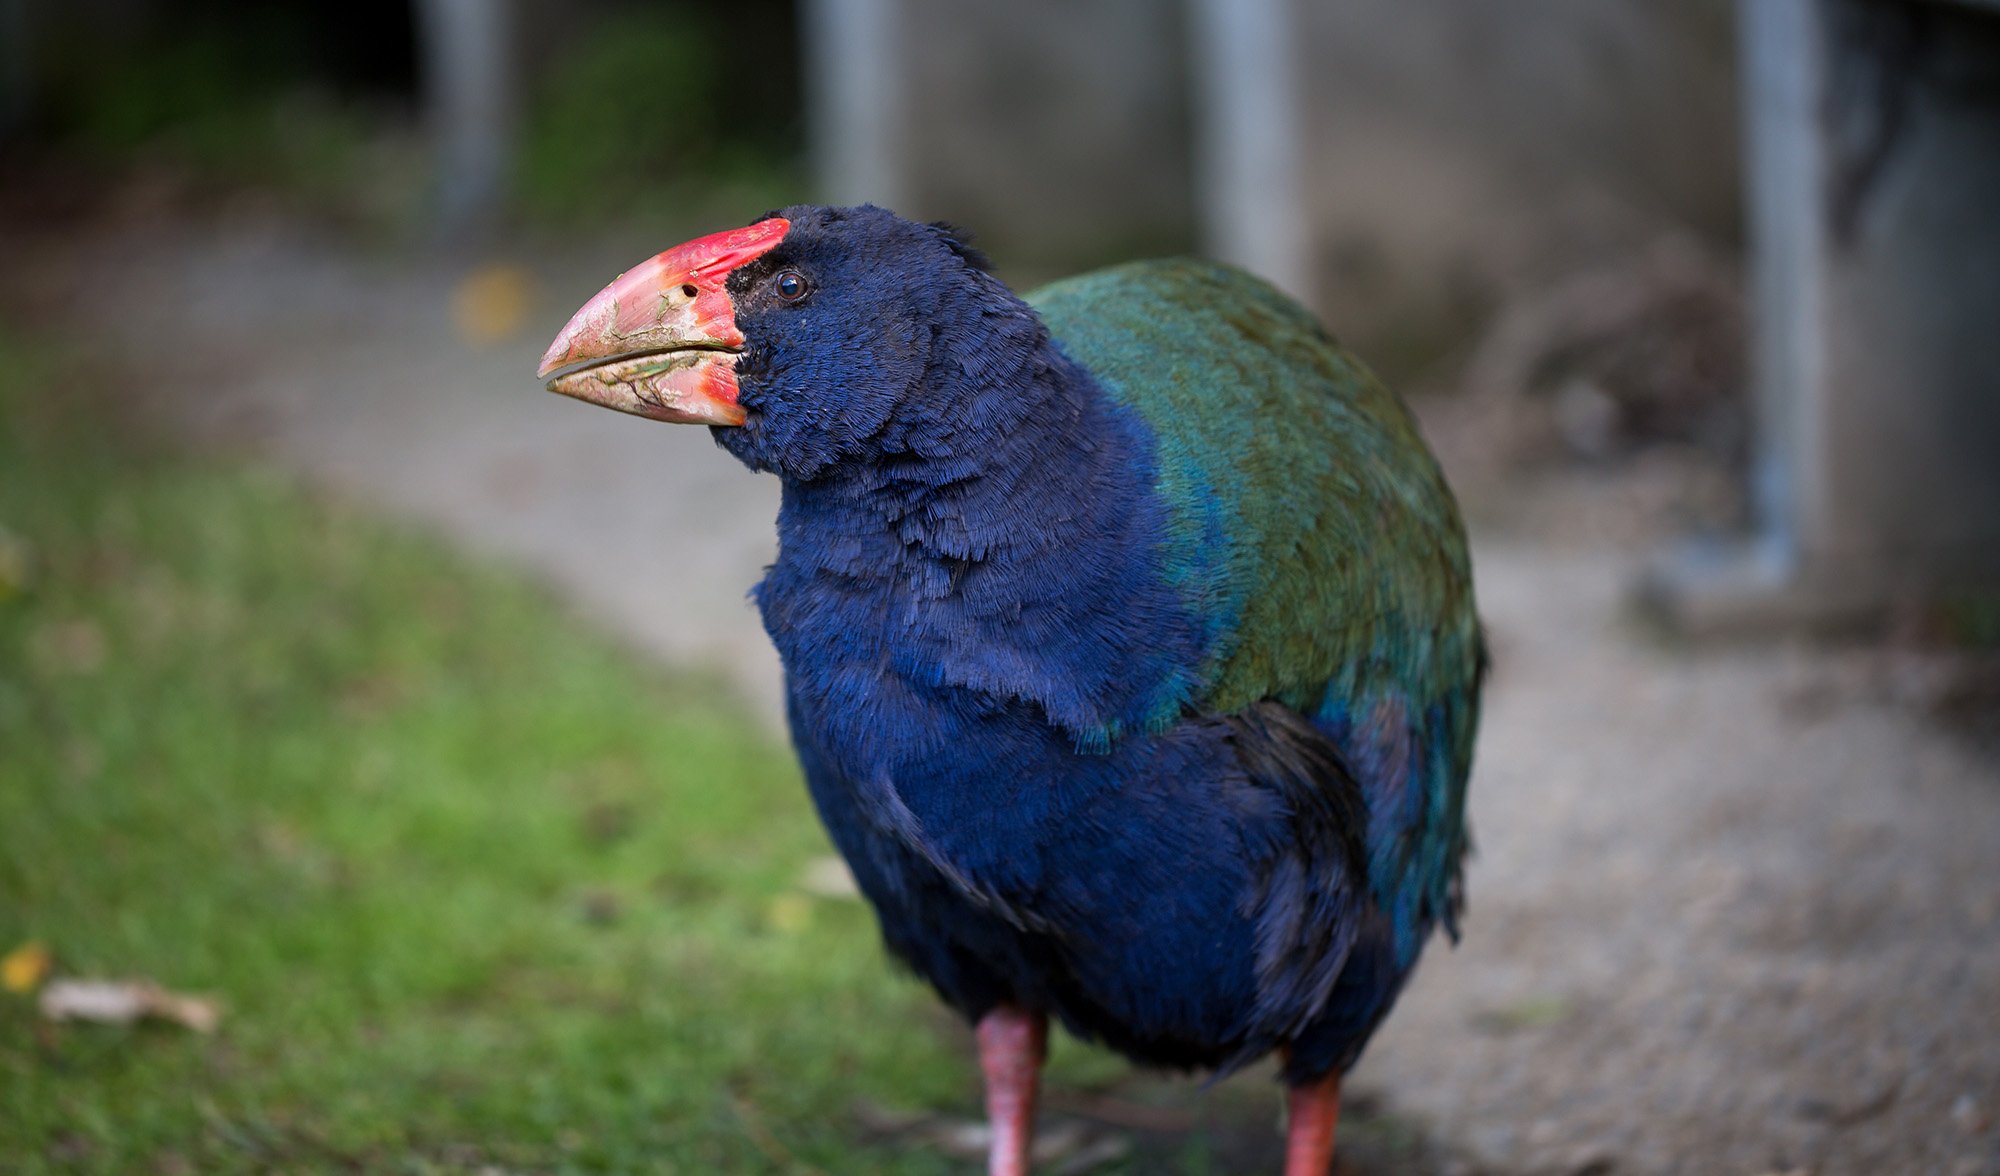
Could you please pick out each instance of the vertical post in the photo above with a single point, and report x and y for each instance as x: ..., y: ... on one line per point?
x: 468, y: 84
x: 1781, y: 56
x: 857, y: 101
x: 1249, y: 138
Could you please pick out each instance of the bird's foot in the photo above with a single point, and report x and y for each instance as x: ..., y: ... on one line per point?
x: 1012, y: 1043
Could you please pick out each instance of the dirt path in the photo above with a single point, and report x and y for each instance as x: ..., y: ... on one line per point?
x: 1725, y: 918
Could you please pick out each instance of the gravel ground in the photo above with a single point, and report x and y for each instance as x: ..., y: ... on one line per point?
x: 1733, y: 911
x: 1725, y: 918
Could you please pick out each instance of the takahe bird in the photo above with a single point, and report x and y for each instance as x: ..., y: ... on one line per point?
x: 1128, y: 632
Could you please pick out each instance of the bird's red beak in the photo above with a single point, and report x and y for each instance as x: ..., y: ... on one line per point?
x: 661, y: 340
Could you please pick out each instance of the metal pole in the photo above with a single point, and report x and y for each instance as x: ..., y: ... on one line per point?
x: 1249, y: 138
x: 1782, y: 63
x: 468, y: 85
x: 857, y: 101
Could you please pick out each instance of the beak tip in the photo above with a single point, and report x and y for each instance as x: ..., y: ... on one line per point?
x: 553, y: 358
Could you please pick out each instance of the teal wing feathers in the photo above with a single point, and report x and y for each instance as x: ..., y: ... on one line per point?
x: 1313, y: 533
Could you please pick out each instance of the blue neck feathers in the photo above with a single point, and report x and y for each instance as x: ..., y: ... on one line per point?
x: 1000, y: 548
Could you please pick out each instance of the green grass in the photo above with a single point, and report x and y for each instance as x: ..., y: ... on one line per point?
x: 473, y: 885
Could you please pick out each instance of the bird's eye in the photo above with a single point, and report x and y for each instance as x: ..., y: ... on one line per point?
x: 790, y: 285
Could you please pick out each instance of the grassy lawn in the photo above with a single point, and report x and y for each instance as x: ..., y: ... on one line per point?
x: 473, y: 886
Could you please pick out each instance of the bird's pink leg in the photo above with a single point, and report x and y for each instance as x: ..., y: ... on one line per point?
x: 1315, y: 1109
x: 1012, y: 1042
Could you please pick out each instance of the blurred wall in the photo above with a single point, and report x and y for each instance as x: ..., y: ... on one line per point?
x: 1449, y: 142
x: 1460, y: 146
x: 1057, y: 130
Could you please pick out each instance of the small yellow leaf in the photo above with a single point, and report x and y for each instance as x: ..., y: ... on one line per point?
x: 789, y: 913
x: 24, y: 968
x: 491, y: 303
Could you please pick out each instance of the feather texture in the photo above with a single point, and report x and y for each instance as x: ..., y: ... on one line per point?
x: 1316, y: 531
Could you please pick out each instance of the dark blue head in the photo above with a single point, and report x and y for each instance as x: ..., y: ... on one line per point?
x: 814, y: 338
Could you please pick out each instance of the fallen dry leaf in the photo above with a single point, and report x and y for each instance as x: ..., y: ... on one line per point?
x: 24, y: 968
x: 1533, y: 1012
x: 828, y: 877
x: 1063, y: 1146
x: 120, y: 1002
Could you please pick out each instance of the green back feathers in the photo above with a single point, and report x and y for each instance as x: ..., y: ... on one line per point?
x: 1309, y: 520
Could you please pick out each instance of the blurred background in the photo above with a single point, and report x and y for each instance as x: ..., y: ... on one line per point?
x: 374, y: 796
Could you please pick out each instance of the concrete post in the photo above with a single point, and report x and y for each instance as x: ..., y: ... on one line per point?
x: 1897, y: 448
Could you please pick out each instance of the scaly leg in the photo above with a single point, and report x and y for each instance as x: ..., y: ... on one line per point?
x: 1315, y: 1109
x: 1012, y: 1043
